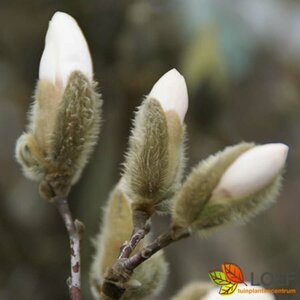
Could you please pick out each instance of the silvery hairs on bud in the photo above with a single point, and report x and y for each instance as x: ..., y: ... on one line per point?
x: 155, y: 159
x: 243, y: 186
x: 146, y: 164
x: 76, y: 130
x: 199, y: 185
x: 151, y: 165
x: 64, y: 119
x: 249, y: 186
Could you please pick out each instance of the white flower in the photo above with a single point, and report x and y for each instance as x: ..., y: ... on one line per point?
x: 171, y: 92
x: 252, y: 171
x: 66, y: 50
x: 213, y: 294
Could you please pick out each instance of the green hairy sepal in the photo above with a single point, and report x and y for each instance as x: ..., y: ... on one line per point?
x: 154, y: 161
x: 199, y: 185
x: 76, y: 130
x: 226, y: 210
x: 61, y: 134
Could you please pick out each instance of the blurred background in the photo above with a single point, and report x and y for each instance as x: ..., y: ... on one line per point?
x: 241, y: 61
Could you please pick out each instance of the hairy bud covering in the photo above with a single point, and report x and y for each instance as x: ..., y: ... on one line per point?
x: 155, y: 157
x: 61, y: 133
x: 199, y: 185
x: 64, y: 119
x: 232, y: 186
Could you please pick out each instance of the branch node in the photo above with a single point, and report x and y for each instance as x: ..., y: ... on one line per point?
x: 80, y: 228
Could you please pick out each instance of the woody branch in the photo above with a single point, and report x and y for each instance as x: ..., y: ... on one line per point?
x: 116, y: 277
x: 62, y: 205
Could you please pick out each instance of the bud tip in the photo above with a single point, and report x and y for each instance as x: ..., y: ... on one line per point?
x: 171, y: 92
x: 253, y: 170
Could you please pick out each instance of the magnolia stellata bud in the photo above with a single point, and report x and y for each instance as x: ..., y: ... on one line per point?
x: 252, y: 171
x: 171, y: 92
x: 155, y: 159
x: 245, y: 183
x: 64, y: 120
x: 65, y: 50
x: 197, y: 188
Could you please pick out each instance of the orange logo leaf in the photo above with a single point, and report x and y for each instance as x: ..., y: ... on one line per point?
x: 233, y: 273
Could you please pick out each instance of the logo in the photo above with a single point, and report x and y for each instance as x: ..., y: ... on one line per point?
x: 228, y: 279
x: 231, y: 276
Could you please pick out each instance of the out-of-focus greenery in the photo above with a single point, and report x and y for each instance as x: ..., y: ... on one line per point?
x: 241, y: 61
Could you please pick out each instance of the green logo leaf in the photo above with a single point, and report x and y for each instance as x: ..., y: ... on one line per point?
x: 218, y: 278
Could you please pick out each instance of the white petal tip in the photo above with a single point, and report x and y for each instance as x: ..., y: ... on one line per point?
x: 253, y: 170
x: 171, y: 91
x: 282, y: 150
x: 61, y: 16
x: 65, y: 51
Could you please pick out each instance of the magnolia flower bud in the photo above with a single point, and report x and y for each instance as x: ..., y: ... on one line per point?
x: 66, y: 50
x: 252, y: 171
x: 171, y: 92
x: 64, y: 119
x: 199, y: 185
x: 230, y: 187
x: 155, y: 159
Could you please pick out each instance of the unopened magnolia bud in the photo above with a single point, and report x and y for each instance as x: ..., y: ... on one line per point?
x: 64, y: 120
x: 244, y: 184
x: 232, y: 200
x: 154, y: 160
x: 171, y: 92
x: 199, y: 185
x: 66, y: 50
x: 252, y: 171
x: 146, y: 162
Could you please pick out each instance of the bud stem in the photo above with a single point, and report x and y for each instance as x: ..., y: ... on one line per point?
x: 61, y: 202
x: 141, y: 226
x: 120, y: 272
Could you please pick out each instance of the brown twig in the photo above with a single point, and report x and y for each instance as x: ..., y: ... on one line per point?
x: 62, y: 205
x: 119, y: 274
x: 141, y: 226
